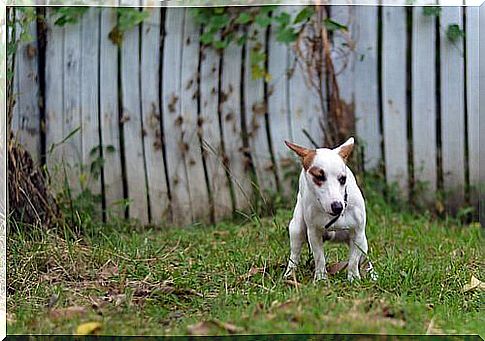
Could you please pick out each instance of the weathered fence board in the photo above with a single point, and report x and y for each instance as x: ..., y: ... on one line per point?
x: 54, y: 96
x: 73, y: 145
x: 366, y: 82
x: 394, y: 96
x: 150, y: 108
x: 211, y: 133
x: 133, y: 134
x: 255, y: 105
x: 26, y: 119
x: 305, y: 110
x: 423, y: 99
x: 172, y: 119
x: 109, y: 111
x: 231, y: 117
x: 452, y: 108
x: 278, y: 105
x: 196, y: 184
x: 472, y: 104
x: 89, y: 107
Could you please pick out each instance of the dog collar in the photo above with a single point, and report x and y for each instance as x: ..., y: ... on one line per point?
x: 334, y: 219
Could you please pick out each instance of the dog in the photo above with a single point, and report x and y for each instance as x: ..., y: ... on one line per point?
x: 330, y: 206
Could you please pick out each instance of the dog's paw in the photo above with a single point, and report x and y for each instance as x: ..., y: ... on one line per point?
x: 320, y: 276
x: 373, y: 275
x: 289, y: 273
x: 351, y: 276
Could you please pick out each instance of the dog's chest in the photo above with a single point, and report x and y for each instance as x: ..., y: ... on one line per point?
x: 317, y: 219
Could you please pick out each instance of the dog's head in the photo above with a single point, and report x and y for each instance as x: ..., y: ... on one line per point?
x: 326, y: 173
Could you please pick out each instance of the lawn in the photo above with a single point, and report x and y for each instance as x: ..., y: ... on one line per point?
x: 227, y: 278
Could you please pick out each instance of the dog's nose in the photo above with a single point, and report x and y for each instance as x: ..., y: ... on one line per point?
x: 336, y: 207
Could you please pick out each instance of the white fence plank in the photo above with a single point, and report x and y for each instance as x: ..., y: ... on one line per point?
x: 54, y: 98
x: 89, y: 95
x: 196, y: 181
x: 109, y: 110
x: 452, y: 108
x: 305, y: 108
x: 278, y: 105
x: 254, y: 102
x: 472, y: 83
x: 366, y: 84
x: 231, y: 117
x: 172, y: 119
x: 150, y: 80
x: 133, y: 126
x: 394, y: 96
x: 26, y: 112
x: 73, y: 149
x: 423, y: 100
x: 211, y: 133
x: 342, y: 52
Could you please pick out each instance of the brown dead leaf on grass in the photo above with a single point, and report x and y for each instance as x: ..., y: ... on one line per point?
x: 335, y: 268
x: 208, y: 327
x: 253, y: 271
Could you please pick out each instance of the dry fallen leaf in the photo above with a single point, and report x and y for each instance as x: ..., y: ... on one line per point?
x: 88, y: 328
x: 253, y: 271
x: 333, y: 269
x: 475, y: 283
x: 67, y: 313
x: 205, y: 327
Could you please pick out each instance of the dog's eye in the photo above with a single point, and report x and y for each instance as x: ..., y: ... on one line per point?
x: 342, y: 180
x: 320, y: 177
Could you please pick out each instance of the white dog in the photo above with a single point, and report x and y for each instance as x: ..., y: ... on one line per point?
x: 330, y: 206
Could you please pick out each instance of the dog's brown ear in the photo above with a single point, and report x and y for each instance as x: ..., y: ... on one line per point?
x: 306, y: 155
x: 345, y: 149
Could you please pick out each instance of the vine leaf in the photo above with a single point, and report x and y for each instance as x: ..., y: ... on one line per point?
x: 454, y: 32
x: 286, y: 35
x: 243, y: 18
x: 431, y: 11
x: 304, y: 15
x: 332, y: 25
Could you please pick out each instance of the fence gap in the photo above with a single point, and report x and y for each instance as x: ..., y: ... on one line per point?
x: 161, y: 106
x: 247, y: 158
x: 409, y: 101
x: 41, y: 55
x: 381, y: 167
x: 267, y: 120
x: 200, y: 128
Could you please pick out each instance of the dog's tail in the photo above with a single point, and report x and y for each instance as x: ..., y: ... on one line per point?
x: 339, y: 236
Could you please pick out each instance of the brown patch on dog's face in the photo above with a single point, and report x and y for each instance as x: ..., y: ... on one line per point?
x: 306, y: 155
x: 318, y: 175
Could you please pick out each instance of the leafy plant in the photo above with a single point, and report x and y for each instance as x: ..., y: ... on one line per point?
x: 431, y: 11
x: 68, y: 15
x: 454, y: 32
x: 128, y: 18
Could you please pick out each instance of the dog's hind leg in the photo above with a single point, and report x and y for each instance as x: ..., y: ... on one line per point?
x: 297, y: 231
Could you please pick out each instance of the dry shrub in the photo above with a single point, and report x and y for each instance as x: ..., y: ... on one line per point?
x: 29, y: 199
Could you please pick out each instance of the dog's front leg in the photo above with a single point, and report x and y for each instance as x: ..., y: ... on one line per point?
x: 316, y: 245
x: 297, y: 231
x: 358, y: 250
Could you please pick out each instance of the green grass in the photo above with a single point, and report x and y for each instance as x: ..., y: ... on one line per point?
x: 134, y: 281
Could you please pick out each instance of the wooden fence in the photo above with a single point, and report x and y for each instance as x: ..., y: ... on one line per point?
x: 188, y: 135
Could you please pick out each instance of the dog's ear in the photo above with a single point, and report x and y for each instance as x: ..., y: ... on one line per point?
x: 306, y: 155
x: 345, y: 149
